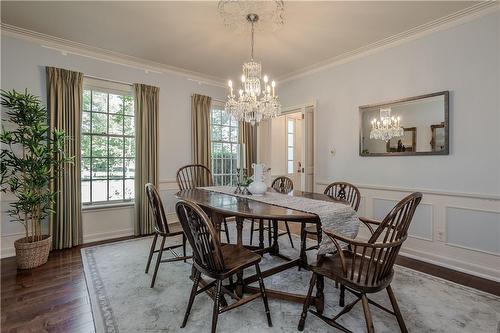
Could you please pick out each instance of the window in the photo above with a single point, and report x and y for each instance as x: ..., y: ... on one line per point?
x: 290, y: 126
x: 224, y: 131
x: 107, y: 145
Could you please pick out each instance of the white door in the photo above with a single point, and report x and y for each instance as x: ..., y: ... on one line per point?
x: 307, y: 171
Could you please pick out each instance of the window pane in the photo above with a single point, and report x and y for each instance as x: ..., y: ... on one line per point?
x: 85, y: 146
x: 290, y: 126
x: 290, y: 166
x: 226, y: 119
x: 86, y: 100
x: 99, y: 101
x: 99, y: 146
x: 216, y: 133
x: 85, y: 192
x: 129, y: 168
x: 116, y: 147
x: 99, y: 123
x: 215, y: 116
x: 226, y: 149
x: 99, y: 168
x: 234, y: 134
x: 130, y: 147
x: 129, y: 188
x: 290, y: 153
x: 129, y: 126
x: 115, y: 124
x: 115, y: 168
x: 217, y: 148
x: 234, y: 122
x: 99, y: 190
x: 85, y: 168
x: 128, y: 105
x: 290, y: 140
x: 225, y: 133
x: 85, y: 122
x: 115, y: 104
x: 217, y: 166
x: 115, y: 190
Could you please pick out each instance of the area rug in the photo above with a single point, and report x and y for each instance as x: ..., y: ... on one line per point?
x: 123, y: 302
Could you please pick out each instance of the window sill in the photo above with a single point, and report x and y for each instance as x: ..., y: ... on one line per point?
x: 86, y: 208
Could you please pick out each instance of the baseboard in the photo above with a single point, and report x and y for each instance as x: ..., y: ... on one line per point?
x: 107, y: 235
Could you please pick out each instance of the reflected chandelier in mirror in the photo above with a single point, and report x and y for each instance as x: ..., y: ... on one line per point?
x: 411, y: 126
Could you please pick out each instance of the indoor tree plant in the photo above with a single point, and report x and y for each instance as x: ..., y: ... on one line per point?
x: 31, y: 157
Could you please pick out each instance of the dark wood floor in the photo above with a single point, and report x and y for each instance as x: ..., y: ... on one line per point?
x: 54, y: 298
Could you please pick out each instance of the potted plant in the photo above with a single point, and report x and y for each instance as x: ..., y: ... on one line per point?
x: 31, y: 157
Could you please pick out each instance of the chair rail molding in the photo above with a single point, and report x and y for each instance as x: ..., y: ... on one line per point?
x: 472, y: 222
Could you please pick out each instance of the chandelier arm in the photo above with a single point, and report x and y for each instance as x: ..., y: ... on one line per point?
x: 251, y: 56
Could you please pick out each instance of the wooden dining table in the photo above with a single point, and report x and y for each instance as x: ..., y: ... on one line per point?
x: 221, y: 205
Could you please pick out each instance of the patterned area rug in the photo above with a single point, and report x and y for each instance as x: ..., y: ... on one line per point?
x: 123, y: 302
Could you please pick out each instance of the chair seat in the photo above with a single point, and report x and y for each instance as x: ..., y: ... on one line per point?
x: 331, y: 267
x: 236, y: 257
x: 312, y: 229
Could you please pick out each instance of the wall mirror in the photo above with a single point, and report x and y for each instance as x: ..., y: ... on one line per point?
x: 411, y: 126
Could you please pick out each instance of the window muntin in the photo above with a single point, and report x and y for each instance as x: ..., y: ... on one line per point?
x: 290, y: 144
x: 224, y: 133
x: 107, y: 146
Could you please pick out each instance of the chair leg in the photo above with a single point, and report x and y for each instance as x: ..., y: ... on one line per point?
x: 196, y: 280
x: 215, y: 313
x: 289, y: 233
x: 158, y: 260
x: 397, y: 312
x: 251, y: 231
x: 226, y: 231
x: 270, y: 232
x: 153, y: 246
x: 307, y: 302
x: 263, y: 295
x: 342, y: 296
x: 184, y: 246
x: 368, y: 315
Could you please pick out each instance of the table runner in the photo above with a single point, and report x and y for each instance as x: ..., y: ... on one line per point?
x: 335, y: 217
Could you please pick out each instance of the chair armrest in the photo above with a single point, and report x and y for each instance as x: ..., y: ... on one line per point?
x: 367, y: 222
x: 349, y: 241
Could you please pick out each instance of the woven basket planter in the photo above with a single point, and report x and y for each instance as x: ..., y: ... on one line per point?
x: 32, y: 254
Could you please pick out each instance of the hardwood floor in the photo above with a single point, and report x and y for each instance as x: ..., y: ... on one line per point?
x: 54, y: 298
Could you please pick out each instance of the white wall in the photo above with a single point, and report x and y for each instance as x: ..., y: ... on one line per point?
x: 23, y: 66
x: 463, y: 59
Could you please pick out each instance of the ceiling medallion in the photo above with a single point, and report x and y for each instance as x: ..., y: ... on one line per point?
x: 270, y: 14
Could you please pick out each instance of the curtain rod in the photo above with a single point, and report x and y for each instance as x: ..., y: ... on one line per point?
x: 108, y: 80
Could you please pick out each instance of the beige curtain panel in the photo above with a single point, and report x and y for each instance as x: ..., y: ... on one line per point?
x: 248, y: 136
x: 147, y: 102
x: 200, y: 129
x: 64, y: 101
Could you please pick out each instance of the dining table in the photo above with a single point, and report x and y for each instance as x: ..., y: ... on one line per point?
x: 220, y: 206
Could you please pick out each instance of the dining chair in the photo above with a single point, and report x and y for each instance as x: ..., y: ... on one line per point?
x: 216, y: 262
x: 164, y: 230
x: 197, y: 175
x: 338, y: 190
x: 283, y: 185
x: 365, y: 267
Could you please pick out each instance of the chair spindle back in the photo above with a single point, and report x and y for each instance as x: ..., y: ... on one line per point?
x: 156, y: 205
x: 194, y: 175
x: 345, y: 191
x: 201, y: 235
x: 283, y: 185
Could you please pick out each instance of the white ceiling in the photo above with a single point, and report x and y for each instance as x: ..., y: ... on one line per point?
x: 192, y: 36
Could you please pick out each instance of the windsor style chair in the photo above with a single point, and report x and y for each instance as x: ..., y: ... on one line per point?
x: 365, y: 267
x: 282, y: 185
x: 338, y: 190
x: 164, y: 230
x: 216, y: 261
x: 197, y: 175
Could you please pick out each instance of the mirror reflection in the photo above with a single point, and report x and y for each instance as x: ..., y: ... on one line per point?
x: 411, y: 126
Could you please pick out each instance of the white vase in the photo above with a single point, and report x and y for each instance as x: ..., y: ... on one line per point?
x: 258, y: 187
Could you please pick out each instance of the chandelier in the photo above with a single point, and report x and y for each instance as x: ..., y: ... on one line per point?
x: 256, y: 99
x: 387, y: 127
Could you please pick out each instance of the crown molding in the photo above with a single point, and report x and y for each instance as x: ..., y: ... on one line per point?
x: 65, y: 47
x: 457, y: 18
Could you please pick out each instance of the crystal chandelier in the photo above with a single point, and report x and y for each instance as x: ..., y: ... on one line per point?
x: 387, y: 127
x: 256, y: 99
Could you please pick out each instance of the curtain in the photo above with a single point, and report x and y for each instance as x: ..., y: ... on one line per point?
x: 146, y: 163
x: 200, y: 129
x: 248, y: 136
x: 64, y: 100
